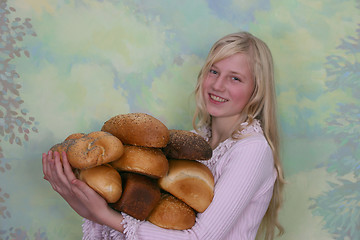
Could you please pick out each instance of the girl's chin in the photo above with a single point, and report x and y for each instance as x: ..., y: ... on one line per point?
x: 222, y: 114
x: 215, y: 113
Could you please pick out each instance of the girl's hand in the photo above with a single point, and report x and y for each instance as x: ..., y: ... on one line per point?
x: 83, y: 199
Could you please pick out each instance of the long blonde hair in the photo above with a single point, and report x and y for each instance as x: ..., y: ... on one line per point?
x: 261, y: 106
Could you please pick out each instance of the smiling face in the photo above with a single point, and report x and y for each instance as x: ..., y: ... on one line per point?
x: 228, y: 86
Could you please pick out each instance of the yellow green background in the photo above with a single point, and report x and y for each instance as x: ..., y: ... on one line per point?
x: 68, y: 66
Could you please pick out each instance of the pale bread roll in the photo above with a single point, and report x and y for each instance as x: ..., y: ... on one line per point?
x: 144, y: 160
x: 139, y: 129
x: 94, y: 149
x: 172, y: 213
x: 190, y: 181
x: 187, y: 145
x: 105, y: 180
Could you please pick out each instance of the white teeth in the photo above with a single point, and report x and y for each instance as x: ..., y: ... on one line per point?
x: 218, y: 99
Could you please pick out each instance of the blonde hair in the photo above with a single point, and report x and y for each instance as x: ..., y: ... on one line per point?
x: 261, y: 106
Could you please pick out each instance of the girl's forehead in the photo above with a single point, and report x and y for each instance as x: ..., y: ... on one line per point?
x: 226, y: 53
x: 235, y: 58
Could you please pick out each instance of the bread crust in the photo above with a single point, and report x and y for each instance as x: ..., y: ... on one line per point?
x: 190, y: 181
x: 187, y: 145
x: 138, y: 129
x: 94, y: 149
x: 140, y: 196
x: 75, y: 136
x: 172, y: 213
x: 105, y: 180
x: 143, y: 160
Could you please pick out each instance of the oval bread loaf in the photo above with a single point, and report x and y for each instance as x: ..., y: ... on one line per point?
x: 190, y: 181
x: 105, y: 180
x: 139, y: 129
x: 187, y: 145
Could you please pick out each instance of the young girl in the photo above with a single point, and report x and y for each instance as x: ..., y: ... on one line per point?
x: 236, y: 114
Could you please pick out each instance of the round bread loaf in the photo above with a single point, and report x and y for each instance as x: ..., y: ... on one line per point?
x: 190, y: 181
x: 94, y: 149
x: 105, y: 180
x: 139, y: 129
x: 143, y: 160
x: 172, y: 213
x: 187, y: 145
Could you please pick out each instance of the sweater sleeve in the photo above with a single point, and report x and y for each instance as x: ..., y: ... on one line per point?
x: 248, y: 167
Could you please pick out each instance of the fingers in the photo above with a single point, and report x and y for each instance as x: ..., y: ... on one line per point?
x: 59, y: 176
x: 46, y: 162
x: 49, y: 171
x: 80, y: 188
x: 62, y: 178
x: 54, y: 173
x: 67, y: 168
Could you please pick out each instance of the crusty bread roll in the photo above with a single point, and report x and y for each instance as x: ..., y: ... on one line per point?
x: 187, y: 145
x: 144, y: 160
x: 190, y: 181
x: 105, y: 180
x: 140, y: 196
x: 139, y: 129
x: 94, y: 149
x: 172, y: 213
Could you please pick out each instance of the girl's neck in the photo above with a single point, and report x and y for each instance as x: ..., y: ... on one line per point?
x: 221, y: 129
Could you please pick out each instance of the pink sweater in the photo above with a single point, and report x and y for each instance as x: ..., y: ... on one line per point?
x: 244, y: 176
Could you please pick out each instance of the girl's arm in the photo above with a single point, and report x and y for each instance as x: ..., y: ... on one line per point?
x: 250, y: 167
x: 83, y: 199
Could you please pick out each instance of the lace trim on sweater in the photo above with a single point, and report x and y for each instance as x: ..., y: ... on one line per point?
x: 221, y: 149
x: 94, y: 231
x: 91, y: 230
x: 130, y: 226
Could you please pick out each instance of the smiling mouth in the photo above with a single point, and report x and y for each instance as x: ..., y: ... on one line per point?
x: 217, y: 98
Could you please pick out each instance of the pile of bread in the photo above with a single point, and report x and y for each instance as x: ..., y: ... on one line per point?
x: 142, y: 168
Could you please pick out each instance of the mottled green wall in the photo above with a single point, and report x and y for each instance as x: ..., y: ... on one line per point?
x: 67, y: 66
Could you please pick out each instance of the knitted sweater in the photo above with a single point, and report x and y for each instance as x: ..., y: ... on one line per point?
x: 244, y: 177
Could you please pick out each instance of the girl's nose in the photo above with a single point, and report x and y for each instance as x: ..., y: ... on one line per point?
x: 219, y: 83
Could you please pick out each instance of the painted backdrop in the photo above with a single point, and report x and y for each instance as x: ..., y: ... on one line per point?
x: 67, y: 66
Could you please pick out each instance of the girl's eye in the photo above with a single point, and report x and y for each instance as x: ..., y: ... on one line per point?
x: 236, y: 79
x: 212, y: 71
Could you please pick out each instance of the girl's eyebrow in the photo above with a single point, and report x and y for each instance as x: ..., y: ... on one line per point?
x: 213, y: 66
